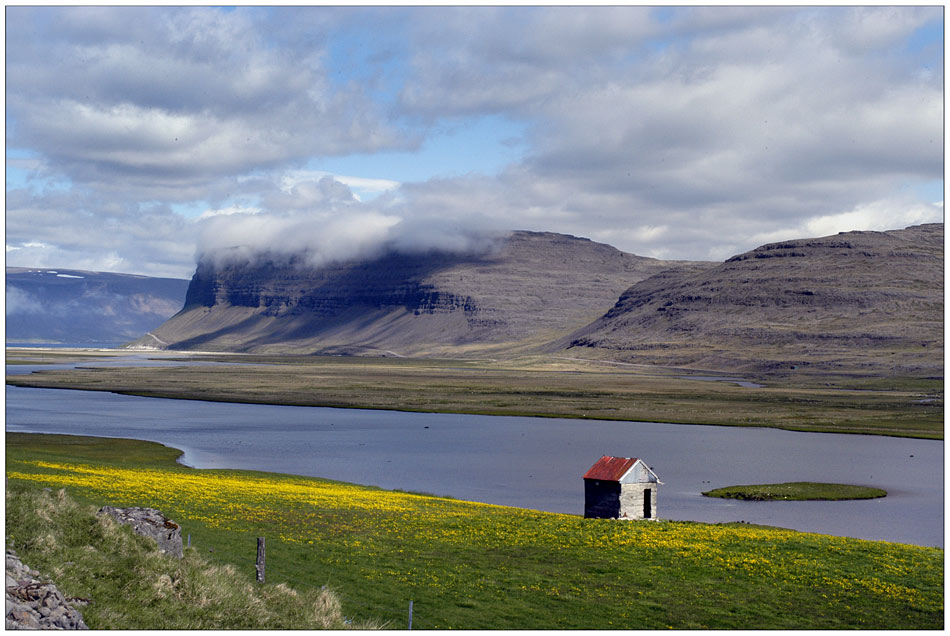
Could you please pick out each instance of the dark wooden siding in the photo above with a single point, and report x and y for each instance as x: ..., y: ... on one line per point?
x: 601, y: 499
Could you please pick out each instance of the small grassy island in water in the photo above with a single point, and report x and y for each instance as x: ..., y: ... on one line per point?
x: 797, y: 491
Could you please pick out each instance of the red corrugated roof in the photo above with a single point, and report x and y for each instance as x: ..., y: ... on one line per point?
x: 610, y: 468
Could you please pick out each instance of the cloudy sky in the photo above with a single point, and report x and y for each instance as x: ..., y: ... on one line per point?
x: 139, y: 137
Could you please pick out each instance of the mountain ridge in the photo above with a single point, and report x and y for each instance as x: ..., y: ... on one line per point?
x: 856, y: 302
x: 532, y: 287
x: 72, y: 306
x: 835, y: 302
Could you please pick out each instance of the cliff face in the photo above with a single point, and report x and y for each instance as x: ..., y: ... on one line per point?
x: 292, y: 289
x: 857, y: 300
x: 533, y: 287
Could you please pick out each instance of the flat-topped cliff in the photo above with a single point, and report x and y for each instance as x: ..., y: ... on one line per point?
x: 530, y: 288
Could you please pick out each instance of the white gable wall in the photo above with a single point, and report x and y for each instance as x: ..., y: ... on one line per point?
x: 638, y: 473
x: 634, y: 485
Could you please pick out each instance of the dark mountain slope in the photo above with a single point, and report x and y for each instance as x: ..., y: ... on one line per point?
x: 855, y: 301
x: 533, y: 288
x: 87, y: 308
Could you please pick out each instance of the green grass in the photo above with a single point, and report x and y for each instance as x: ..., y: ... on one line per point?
x: 476, y: 566
x: 26, y: 362
x: 129, y: 584
x: 797, y: 491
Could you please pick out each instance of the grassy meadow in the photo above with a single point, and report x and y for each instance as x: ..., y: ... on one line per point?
x: 797, y: 491
x: 545, y: 386
x: 478, y: 566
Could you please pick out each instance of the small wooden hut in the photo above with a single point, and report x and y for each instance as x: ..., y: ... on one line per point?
x: 620, y: 488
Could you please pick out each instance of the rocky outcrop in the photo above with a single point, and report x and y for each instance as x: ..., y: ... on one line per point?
x: 151, y: 523
x: 36, y: 604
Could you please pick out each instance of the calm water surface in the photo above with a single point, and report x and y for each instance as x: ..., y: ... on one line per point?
x: 521, y: 461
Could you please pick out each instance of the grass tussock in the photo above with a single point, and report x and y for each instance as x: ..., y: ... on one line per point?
x: 131, y: 585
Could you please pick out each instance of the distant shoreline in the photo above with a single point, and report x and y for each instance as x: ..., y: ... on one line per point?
x: 536, y: 387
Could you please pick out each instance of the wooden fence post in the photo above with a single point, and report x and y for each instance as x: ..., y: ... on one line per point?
x: 260, y: 559
x: 410, y: 614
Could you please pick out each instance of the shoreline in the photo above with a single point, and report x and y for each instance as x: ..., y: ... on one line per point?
x: 172, y: 395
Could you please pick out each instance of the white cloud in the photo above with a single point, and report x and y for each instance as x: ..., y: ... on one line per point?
x: 691, y: 136
x: 19, y: 301
x: 234, y: 209
x: 869, y: 28
x: 364, y: 188
x: 331, y: 236
x: 296, y: 183
x: 755, y: 120
x: 198, y: 96
x: 319, y: 239
x: 887, y: 214
x: 289, y: 179
x: 81, y: 232
x: 881, y: 215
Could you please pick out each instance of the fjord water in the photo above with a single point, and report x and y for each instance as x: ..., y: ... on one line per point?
x: 522, y: 461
